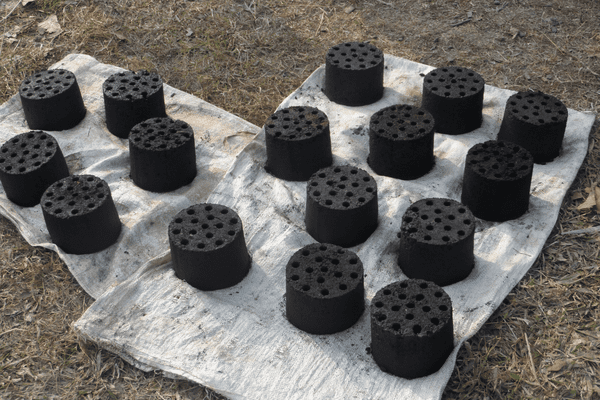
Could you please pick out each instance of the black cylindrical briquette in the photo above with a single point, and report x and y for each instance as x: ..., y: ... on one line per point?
x: 411, y: 328
x: 80, y: 214
x: 535, y: 121
x: 298, y: 143
x: 29, y: 163
x: 324, y: 289
x: 162, y: 154
x: 454, y: 96
x: 497, y: 180
x: 401, y: 142
x: 52, y: 100
x: 341, y: 205
x: 436, y: 241
x: 354, y: 74
x: 130, y: 98
x: 208, y: 249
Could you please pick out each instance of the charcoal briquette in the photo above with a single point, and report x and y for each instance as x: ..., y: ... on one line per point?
x: 436, y: 241
x: 535, y: 121
x: 52, y: 100
x: 454, y: 96
x: 497, y: 180
x: 162, y: 154
x: 324, y: 289
x: 80, y: 214
x: 341, y: 205
x: 130, y: 98
x: 411, y: 328
x: 208, y: 249
x: 401, y: 142
x: 298, y: 143
x: 29, y: 163
x: 354, y: 74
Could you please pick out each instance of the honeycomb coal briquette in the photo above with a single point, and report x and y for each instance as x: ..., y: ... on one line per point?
x: 537, y: 122
x: 341, y: 205
x: 497, y: 180
x: 324, y: 289
x: 436, y: 241
x: 411, y: 328
x: 401, y: 142
x: 29, y: 163
x: 80, y: 214
x: 454, y: 96
x: 130, y: 98
x: 298, y: 143
x: 354, y: 74
x: 208, y: 249
x: 162, y: 154
x: 52, y: 100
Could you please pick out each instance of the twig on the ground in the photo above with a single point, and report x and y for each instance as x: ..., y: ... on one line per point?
x: 387, y: 4
x: 531, y: 358
x: 593, y: 229
x: 320, y: 24
x: 11, y: 11
x: 461, y: 22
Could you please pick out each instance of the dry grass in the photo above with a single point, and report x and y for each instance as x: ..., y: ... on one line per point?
x: 246, y: 56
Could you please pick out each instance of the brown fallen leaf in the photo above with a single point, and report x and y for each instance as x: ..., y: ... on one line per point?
x: 590, y: 202
x: 597, y: 195
x: 576, y: 196
x: 50, y: 25
x: 558, y: 365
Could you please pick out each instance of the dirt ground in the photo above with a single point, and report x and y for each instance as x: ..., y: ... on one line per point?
x: 245, y: 56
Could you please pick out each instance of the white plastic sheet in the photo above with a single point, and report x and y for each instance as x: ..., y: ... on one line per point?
x: 238, y: 341
x: 89, y: 148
